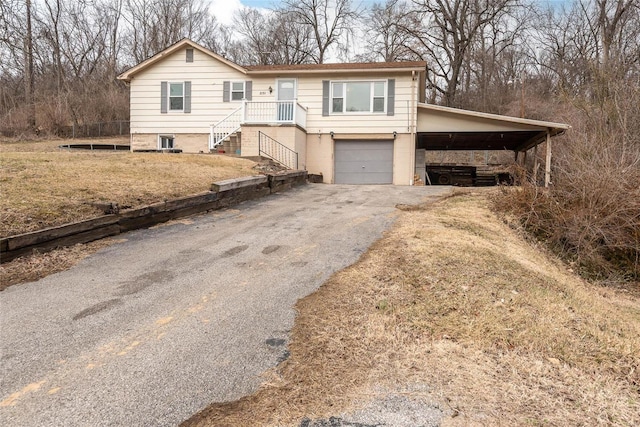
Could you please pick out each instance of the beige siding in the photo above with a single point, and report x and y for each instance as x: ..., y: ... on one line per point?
x: 206, y: 76
x: 309, y: 92
x: 441, y: 121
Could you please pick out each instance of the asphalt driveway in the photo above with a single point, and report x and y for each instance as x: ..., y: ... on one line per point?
x: 153, y: 329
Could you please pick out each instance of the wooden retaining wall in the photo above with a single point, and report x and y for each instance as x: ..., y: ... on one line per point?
x: 223, y: 194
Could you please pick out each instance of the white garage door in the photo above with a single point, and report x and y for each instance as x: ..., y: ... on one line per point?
x: 363, y: 162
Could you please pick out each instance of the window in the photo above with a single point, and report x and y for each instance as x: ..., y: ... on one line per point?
x: 176, y: 96
x: 166, y: 142
x: 378, y: 97
x: 358, y: 97
x: 237, y: 91
x: 338, y: 98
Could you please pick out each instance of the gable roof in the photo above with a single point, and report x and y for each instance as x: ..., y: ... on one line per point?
x: 275, y: 69
x: 128, y: 75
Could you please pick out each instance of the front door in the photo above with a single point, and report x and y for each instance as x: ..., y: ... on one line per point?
x: 286, y: 96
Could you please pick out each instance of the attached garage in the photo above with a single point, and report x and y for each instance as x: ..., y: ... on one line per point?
x: 363, y: 162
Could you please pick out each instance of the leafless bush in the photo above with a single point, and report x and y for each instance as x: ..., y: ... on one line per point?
x: 592, y: 212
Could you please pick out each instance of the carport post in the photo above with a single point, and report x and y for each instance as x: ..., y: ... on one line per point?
x: 547, y: 164
x: 535, y: 165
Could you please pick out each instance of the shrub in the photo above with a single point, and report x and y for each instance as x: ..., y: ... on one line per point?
x: 591, y: 213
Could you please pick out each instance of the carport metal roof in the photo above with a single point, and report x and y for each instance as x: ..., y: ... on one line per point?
x: 444, y: 128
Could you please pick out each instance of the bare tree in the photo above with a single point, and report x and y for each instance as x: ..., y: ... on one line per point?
x: 591, y: 43
x: 497, y: 59
x: 50, y: 24
x: 272, y: 37
x: 386, y: 38
x: 112, y: 11
x: 328, y: 20
x: 258, y: 43
x: 293, y: 42
x: 28, y: 69
x: 155, y: 24
x: 445, y: 31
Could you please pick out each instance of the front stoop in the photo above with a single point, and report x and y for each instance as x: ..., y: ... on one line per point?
x: 232, y: 145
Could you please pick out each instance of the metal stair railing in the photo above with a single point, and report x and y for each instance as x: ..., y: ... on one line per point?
x: 226, y: 127
x: 276, y: 151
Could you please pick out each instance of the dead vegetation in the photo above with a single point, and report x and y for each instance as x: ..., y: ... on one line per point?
x: 500, y: 332
x: 591, y: 213
x: 43, y: 186
x: 35, y: 266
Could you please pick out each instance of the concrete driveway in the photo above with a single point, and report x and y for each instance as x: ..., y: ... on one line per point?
x: 152, y: 330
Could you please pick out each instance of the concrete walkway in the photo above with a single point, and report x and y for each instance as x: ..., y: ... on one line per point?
x: 151, y: 330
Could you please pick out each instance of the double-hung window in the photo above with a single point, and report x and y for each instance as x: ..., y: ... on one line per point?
x: 176, y: 96
x: 358, y: 97
x: 237, y: 91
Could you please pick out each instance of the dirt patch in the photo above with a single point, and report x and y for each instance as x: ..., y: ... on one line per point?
x: 500, y: 332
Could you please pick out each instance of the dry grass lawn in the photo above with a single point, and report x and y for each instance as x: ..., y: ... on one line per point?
x: 499, y: 331
x: 43, y: 186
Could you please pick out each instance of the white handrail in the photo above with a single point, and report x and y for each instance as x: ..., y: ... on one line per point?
x: 257, y: 112
x: 226, y: 127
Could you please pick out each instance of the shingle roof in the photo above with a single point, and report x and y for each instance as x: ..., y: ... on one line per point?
x: 342, y: 66
x: 284, y: 69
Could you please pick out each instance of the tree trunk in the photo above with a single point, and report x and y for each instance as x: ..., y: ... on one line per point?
x: 28, y: 72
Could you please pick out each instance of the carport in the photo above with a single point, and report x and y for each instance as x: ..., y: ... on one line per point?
x: 444, y: 128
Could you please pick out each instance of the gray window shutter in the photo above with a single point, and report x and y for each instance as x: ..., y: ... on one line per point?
x: 189, y: 55
x: 226, y: 91
x: 391, y: 96
x: 163, y: 97
x: 248, y: 90
x: 325, y: 97
x: 187, y: 97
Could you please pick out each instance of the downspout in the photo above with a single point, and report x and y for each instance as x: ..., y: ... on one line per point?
x: 413, y: 111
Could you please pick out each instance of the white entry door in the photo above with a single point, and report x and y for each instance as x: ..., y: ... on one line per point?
x: 286, y: 96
